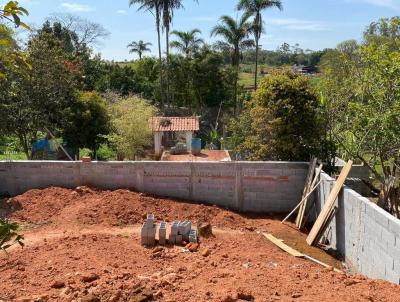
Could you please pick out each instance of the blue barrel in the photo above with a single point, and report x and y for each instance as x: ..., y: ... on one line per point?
x: 196, y: 146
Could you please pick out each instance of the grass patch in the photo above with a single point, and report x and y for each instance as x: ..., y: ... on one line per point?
x: 13, y: 156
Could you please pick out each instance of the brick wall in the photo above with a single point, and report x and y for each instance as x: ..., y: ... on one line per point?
x: 246, y: 186
x: 365, y: 234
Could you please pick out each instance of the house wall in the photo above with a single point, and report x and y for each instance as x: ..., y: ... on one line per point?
x: 244, y: 186
x: 366, y: 235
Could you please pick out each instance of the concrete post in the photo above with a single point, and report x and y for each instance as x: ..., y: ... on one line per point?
x: 238, y: 187
x: 139, y: 177
x: 189, y: 136
x: 157, y: 143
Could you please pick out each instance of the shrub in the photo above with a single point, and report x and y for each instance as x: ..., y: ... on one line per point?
x: 130, y: 121
x: 9, y: 235
x: 281, y: 121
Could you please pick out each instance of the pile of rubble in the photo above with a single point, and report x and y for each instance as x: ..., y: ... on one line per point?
x: 179, y: 232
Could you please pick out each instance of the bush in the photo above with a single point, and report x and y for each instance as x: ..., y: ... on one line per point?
x: 281, y: 121
x: 130, y: 121
x: 88, y: 122
x: 9, y: 235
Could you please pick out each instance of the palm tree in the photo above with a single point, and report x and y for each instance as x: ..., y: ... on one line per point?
x: 154, y: 7
x: 235, y: 35
x: 255, y: 8
x: 168, y: 8
x: 139, y: 47
x: 187, y: 41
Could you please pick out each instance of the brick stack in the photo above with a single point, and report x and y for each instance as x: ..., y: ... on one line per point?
x: 180, y: 232
x: 148, y: 232
x: 162, y: 233
x: 172, y: 239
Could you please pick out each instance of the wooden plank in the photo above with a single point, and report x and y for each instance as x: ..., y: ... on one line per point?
x: 293, y: 252
x: 320, y: 224
x: 307, y: 187
x: 321, y: 263
x: 283, y: 246
x: 302, y: 210
x: 303, y: 200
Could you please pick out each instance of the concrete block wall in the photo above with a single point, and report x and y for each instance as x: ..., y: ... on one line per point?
x: 354, y: 179
x: 268, y: 187
x: 366, y: 235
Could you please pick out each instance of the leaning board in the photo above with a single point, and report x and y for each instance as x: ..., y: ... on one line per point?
x: 320, y: 224
x: 283, y: 246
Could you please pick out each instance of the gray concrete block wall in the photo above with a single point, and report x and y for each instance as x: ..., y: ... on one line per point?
x: 269, y: 187
x: 366, y: 235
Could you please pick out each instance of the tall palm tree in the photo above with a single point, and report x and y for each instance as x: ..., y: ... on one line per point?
x: 139, y: 47
x: 235, y: 35
x: 154, y: 7
x: 168, y: 8
x: 187, y: 41
x: 255, y: 8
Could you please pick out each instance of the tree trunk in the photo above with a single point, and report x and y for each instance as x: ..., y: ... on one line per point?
x: 236, y: 64
x: 256, y: 72
x: 167, y: 53
x: 236, y: 112
x: 386, y: 192
x: 24, y: 144
x: 160, y: 57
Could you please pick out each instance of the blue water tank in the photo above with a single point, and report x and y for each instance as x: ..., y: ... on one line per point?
x: 196, y: 146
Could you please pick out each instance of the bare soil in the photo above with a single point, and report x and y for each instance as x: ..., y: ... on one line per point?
x: 205, y: 155
x: 84, y: 245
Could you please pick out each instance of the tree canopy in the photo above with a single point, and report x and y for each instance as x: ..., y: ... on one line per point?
x: 281, y: 121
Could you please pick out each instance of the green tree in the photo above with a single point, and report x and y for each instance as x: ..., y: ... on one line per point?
x: 87, y: 123
x: 130, y: 121
x: 31, y: 99
x: 139, y: 48
x: 12, y: 12
x: 235, y: 35
x: 362, y: 95
x: 281, y: 121
x: 255, y: 8
x: 201, y: 83
x: 187, y: 42
x: 384, y: 31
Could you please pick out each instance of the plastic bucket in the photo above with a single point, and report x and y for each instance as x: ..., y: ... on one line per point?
x: 196, y: 146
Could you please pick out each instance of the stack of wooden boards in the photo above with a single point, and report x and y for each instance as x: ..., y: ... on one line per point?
x: 311, y: 184
x: 328, y: 209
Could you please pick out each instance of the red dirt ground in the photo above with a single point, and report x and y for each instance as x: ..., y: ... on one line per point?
x: 84, y: 245
x: 205, y: 155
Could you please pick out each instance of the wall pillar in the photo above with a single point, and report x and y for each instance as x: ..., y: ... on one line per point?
x: 157, y: 143
x: 189, y: 136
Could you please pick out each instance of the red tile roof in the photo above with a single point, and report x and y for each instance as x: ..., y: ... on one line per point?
x: 164, y: 124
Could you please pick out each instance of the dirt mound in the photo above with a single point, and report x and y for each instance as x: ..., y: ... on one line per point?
x: 120, y: 207
x: 36, y: 206
x: 89, y: 250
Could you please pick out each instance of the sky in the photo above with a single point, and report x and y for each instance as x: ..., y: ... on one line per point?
x: 313, y: 24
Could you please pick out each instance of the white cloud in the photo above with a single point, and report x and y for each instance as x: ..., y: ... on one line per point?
x: 121, y: 11
x: 297, y: 24
x: 76, y: 7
